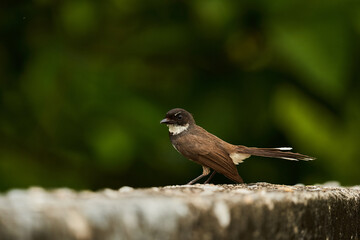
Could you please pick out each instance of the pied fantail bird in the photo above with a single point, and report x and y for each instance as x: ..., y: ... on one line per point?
x: 211, y: 152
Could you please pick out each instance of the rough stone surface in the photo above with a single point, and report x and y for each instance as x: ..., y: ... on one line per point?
x: 245, y: 211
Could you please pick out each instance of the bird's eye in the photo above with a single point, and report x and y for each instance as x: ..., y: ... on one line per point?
x: 179, y: 116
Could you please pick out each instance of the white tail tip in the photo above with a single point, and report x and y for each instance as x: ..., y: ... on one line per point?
x: 291, y: 159
x: 284, y: 148
x: 308, y: 159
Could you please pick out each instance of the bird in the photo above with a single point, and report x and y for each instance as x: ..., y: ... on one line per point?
x: 213, y: 153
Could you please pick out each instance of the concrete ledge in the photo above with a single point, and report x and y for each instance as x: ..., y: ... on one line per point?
x: 245, y: 211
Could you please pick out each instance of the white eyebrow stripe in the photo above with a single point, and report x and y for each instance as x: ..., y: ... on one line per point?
x: 177, y: 113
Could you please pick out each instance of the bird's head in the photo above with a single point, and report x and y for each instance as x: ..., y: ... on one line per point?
x: 178, y: 120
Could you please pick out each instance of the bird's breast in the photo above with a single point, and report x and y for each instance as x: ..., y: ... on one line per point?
x: 184, y: 144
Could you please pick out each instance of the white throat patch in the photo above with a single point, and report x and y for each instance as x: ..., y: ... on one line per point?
x: 177, y: 129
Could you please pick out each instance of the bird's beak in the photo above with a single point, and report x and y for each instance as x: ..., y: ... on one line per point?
x: 166, y: 121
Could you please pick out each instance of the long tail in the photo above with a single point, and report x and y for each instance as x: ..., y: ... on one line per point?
x: 281, y: 152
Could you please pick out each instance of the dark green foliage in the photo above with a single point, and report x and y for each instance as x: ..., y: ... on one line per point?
x: 84, y: 85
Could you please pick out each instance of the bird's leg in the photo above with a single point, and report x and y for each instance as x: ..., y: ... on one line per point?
x: 206, y: 172
x: 196, y: 179
x: 211, y: 176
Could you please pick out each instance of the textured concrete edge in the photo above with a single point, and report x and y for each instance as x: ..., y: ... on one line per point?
x: 266, y: 211
x: 253, y: 211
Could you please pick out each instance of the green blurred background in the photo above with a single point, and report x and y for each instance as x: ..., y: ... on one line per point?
x: 84, y: 85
